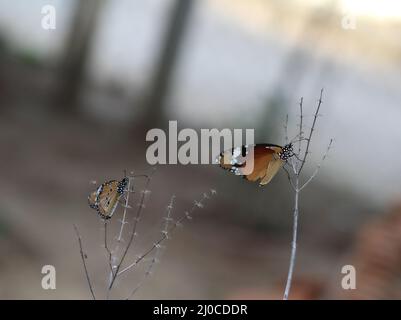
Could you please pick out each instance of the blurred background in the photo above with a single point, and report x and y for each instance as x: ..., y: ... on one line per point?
x: 76, y: 103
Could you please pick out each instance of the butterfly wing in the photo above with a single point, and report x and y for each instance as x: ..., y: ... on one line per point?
x: 253, y: 162
x: 274, y: 166
x: 105, y: 199
x: 92, y: 200
x: 108, y: 199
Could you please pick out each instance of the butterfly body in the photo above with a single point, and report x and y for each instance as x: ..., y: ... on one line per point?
x: 256, y: 162
x: 105, y: 198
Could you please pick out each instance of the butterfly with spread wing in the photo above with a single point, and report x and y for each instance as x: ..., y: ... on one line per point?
x: 106, y: 197
x: 256, y: 162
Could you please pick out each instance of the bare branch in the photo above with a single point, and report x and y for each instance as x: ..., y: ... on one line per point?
x: 126, y: 206
x: 289, y: 177
x: 286, y: 129
x: 148, y: 272
x: 318, y: 166
x: 155, y: 259
x: 294, y: 166
x: 133, y: 232
x: 116, y: 257
x: 109, y: 254
x: 297, y: 166
x: 300, y: 125
x: 83, y: 257
x: 311, y: 131
x: 293, y: 243
x: 156, y: 245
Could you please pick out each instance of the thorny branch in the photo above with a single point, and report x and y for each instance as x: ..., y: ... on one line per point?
x: 187, y: 216
x: 155, y: 258
x: 168, y: 227
x: 109, y: 253
x: 133, y: 232
x: 83, y: 257
x: 296, y: 165
x: 126, y: 206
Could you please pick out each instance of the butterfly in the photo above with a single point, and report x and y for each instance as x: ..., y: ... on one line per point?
x: 256, y: 162
x: 106, y: 197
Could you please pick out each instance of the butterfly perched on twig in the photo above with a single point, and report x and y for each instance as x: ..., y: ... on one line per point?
x: 256, y: 162
x: 106, y: 197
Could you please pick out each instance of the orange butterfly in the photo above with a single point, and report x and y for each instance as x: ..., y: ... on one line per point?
x: 256, y: 162
x: 105, y: 198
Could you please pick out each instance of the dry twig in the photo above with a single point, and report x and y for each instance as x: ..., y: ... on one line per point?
x: 296, y: 164
x: 115, y: 263
x: 83, y: 257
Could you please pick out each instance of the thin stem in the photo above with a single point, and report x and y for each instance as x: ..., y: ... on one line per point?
x: 297, y: 166
x: 294, y: 166
x: 294, y: 242
x: 123, y: 222
x: 300, y: 125
x: 107, y: 247
x: 289, y: 177
x: 286, y: 129
x: 186, y: 216
x: 147, y: 273
x: 133, y: 233
x: 119, y: 237
x: 165, y: 229
x: 318, y: 166
x: 311, y: 131
x: 301, y: 118
x: 83, y: 257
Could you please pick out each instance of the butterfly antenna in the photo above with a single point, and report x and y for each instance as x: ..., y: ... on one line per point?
x: 296, y: 137
x: 296, y: 156
x: 301, y: 139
